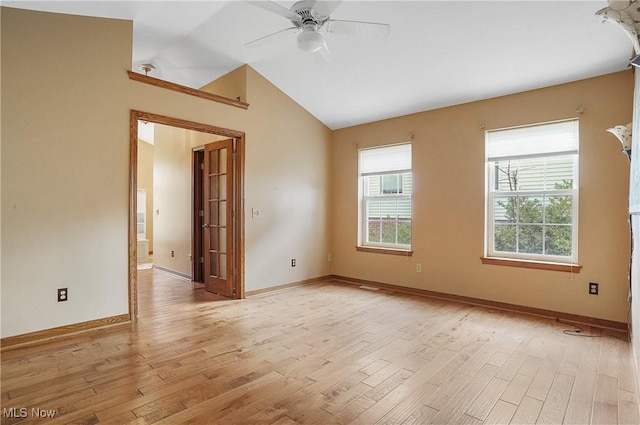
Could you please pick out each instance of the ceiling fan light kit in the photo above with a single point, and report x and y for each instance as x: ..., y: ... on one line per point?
x: 310, y: 40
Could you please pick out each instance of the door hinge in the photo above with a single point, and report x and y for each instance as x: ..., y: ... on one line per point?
x: 202, y: 165
x: 234, y: 155
x: 201, y: 213
x: 202, y: 260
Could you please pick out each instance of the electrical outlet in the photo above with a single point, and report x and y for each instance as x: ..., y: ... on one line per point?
x: 173, y: 254
x: 293, y: 262
x: 593, y: 288
x: 329, y: 257
x: 63, y: 294
x: 419, y: 268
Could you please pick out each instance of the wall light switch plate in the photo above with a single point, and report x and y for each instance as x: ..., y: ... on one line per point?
x: 255, y: 212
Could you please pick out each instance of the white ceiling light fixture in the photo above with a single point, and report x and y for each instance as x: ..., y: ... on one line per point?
x: 310, y: 40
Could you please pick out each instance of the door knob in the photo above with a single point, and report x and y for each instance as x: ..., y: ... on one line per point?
x: 205, y: 225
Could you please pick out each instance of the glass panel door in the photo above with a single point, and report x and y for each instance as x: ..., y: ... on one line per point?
x: 218, y: 167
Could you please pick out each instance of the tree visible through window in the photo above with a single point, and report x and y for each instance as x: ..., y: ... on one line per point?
x: 385, y: 187
x: 532, y: 192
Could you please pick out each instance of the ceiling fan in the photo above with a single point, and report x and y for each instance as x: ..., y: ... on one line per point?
x: 311, y: 18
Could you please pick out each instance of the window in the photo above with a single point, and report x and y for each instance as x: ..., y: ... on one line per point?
x: 532, y: 192
x: 385, y: 197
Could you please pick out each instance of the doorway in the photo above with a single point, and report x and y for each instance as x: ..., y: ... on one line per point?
x: 223, y: 235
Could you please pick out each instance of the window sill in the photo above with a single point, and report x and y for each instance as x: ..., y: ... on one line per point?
x: 529, y: 264
x: 389, y: 251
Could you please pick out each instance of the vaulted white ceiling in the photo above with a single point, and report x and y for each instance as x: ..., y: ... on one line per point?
x: 438, y: 53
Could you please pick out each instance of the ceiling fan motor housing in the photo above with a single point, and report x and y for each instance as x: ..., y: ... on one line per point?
x: 310, y: 22
x: 304, y: 9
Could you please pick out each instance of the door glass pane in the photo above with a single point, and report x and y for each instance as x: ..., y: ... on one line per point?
x: 214, y: 243
x: 223, y: 267
x: 214, y: 264
x: 214, y: 190
x: 214, y: 164
x: 222, y: 217
x: 222, y: 182
x: 213, y: 212
x: 222, y: 160
x: 222, y: 237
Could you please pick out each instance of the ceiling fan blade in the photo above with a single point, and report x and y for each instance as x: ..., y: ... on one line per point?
x: 276, y: 8
x: 324, y: 51
x: 253, y: 42
x: 361, y: 28
x: 325, y: 8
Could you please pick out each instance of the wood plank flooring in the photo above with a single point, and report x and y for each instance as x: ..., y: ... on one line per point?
x: 326, y: 353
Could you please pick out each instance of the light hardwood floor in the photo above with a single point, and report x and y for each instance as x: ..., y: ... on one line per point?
x: 326, y: 353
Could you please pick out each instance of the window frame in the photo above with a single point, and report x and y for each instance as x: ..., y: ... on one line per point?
x: 363, y: 223
x: 491, y: 194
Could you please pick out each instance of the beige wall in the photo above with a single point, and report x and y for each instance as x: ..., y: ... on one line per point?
x: 448, y: 202
x: 145, y: 181
x: 232, y: 85
x: 51, y: 171
x: 64, y: 168
x: 287, y: 178
x: 172, y: 188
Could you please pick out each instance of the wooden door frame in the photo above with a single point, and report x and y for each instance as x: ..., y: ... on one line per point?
x: 135, y: 116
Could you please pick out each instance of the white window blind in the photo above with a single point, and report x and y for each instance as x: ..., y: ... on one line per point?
x: 545, y: 139
x: 395, y: 158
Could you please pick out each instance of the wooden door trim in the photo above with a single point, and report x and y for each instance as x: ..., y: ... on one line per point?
x: 133, y: 183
